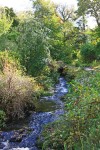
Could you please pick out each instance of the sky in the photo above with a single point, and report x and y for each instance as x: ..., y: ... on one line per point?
x: 17, y: 5
x: 22, y: 5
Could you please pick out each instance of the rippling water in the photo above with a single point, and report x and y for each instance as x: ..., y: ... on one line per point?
x: 37, y: 121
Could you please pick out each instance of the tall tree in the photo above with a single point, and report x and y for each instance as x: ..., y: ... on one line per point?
x: 91, y: 7
x: 65, y: 13
x: 45, y: 13
x: 58, y: 22
x: 32, y: 45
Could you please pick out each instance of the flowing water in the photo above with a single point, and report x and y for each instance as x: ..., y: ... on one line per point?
x: 25, y: 139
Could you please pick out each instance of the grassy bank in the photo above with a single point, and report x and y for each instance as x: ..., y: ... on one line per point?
x: 79, y: 128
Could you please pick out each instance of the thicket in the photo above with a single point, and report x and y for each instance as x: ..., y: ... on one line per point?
x: 16, y: 89
x: 90, y: 50
x: 26, y: 68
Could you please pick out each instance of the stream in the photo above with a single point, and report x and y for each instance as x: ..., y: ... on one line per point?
x: 26, y: 137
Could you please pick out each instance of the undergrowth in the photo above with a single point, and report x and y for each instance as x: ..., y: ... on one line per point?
x: 17, y: 90
x: 79, y: 127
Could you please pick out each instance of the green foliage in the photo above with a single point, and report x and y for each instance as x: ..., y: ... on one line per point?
x: 79, y: 128
x: 88, y: 52
x: 43, y: 9
x: 2, y: 118
x: 63, y: 43
x: 59, y: 29
x: 5, y: 22
x: 91, y: 50
x: 6, y: 43
x: 89, y: 7
x: 9, y: 12
x: 9, y: 59
x: 33, y: 46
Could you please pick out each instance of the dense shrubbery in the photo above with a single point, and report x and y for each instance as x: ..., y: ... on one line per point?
x: 79, y: 128
x: 90, y: 52
x: 16, y: 93
x: 9, y: 59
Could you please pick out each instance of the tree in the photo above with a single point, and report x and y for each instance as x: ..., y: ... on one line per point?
x: 43, y: 9
x: 45, y: 13
x: 91, y: 7
x: 8, y: 24
x: 65, y: 13
x: 58, y: 22
x: 33, y: 45
x: 5, y: 22
x: 9, y: 12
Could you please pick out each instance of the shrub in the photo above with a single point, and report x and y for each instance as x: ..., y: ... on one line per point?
x: 16, y: 94
x: 88, y: 52
x: 9, y: 59
x: 16, y: 90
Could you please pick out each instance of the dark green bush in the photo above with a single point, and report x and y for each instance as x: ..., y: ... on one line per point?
x: 88, y: 52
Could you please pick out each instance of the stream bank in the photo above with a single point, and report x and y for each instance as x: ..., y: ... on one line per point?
x: 26, y: 137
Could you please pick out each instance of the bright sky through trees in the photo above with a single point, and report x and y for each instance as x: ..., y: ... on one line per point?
x: 21, y: 5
